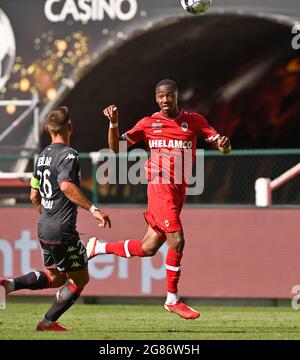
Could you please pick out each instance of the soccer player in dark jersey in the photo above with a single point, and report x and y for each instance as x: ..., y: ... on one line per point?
x: 56, y: 194
x: 163, y: 132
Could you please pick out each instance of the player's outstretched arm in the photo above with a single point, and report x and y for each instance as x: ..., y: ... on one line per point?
x: 112, y: 113
x: 223, y: 144
x: 74, y: 194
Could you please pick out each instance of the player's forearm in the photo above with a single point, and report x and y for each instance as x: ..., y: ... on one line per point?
x: 35, y: 198
x: 38, y: 207
x: 74, y: 194
x: 113, y: 139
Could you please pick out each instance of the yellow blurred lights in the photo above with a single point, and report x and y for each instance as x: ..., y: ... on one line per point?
x: 24, y: 85
x: 11, y: 109
x: 51, y: 94
x: 31, y: 69
x: 61, y: 45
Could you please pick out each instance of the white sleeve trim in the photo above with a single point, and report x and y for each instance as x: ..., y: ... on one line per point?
x: 128, y: 138
x: 212, y: 138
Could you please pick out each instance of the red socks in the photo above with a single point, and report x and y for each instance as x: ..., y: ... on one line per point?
x: 173, y: 270
x: 126, y: 248
x: 131, y: 248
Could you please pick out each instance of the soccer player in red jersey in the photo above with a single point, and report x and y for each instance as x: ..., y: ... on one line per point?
x: 171, y: 129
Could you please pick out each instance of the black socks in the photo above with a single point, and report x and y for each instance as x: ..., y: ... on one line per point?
x: 65, y: 298
x: 34, y: 280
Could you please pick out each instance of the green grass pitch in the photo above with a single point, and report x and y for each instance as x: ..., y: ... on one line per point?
x: 147, y: 322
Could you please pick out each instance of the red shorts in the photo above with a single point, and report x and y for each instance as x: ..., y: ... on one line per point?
x: 165, y: 202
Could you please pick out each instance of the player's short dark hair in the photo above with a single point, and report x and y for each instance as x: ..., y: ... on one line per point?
x: 57, y: 119
x: 168, y: 82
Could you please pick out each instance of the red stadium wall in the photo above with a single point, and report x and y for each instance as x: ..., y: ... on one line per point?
x: 230, y: 253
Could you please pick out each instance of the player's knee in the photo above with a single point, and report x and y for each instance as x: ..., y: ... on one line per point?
x: 178, y: 244
x: 81, y: 281
x: 56, y: 279
x: 149, y: 251
x: 86, y: 279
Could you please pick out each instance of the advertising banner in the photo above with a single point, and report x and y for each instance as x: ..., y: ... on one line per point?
x: 229, y: 253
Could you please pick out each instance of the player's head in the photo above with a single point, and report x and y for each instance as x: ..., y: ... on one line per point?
x: 58, y: 122
x: 167, y: 82
x: 166, y: 92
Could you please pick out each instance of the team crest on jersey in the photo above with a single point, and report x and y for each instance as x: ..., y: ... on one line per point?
x: 184, y: 126
x: 157, y: 125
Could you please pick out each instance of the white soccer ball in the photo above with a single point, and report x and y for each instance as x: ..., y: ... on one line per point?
x: 196, y: 7
x: 7, y: 48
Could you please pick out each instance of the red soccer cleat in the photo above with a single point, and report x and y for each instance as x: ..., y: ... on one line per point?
x: 55, y: 326
x: 91, y: 248
x: 3, y: 283
x: 182, y: 310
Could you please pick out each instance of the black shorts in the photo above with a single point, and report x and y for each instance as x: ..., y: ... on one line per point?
x: 65, y: 257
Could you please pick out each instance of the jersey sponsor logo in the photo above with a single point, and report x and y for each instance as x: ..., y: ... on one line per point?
x: 184, y: 126
x: 71, y: 249
x: 44, y: 161
x: 75, y: 265
x: 70, y: 157
x: 167, y: 224
x: 173, y: 144
x: 157, y: 125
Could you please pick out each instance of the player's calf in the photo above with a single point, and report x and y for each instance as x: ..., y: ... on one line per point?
x: 35, y: 280
x: 65, y: 298
x: 127, y: 248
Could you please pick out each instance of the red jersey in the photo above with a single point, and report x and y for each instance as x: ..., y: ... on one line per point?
x: 170, y: 141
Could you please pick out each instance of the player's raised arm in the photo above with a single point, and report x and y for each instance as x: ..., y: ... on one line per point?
x: 112, y: 113
x: 222, y: 143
